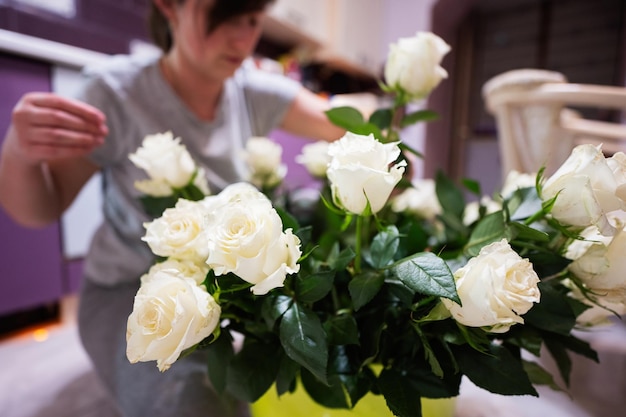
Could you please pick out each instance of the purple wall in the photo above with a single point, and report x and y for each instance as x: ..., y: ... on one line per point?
x: 297, y: 175
x: 30, y: 260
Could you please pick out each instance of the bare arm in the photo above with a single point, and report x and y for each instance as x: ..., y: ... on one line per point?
x: 306, y: 117
x: 43, y: 163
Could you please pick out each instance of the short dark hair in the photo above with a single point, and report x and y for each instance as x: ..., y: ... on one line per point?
x: 220, y: 12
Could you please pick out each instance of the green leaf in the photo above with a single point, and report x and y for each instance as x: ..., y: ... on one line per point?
x: 384, y: 247
x: 553, y: 313
x: 340, y: 260
x: 406, y: 148
x: 313, y: 287
x: 289, y: 222
x: 498, y: 371
x: 429, y: 353
x: 352, y: 120
x: 368, y: 129
x: 419, y: 116
x: 253, y: 370
x: 449, y: 195
x: 540, y: 376
x: 402, y: 399
x: 381, y: 118
x: 155, y: 206
x: 523, y: 203
x: 526, y: 233
x: 557, y: 345
x: 287, y: 374
x: 305, y: 234
x: 274, y: 306
x: 364, y: 287
x: 427, y: 274
x: 345, y: 117
x: 489, y: 229
x: 219, y: 353
x: 331, y: 395
x: 527, y: 338
x: 430, y: 385
x: 562, y: 360
x: 472, y: 185
x: 304, y: 340
x: 191, y: 192
x: 342, y: 330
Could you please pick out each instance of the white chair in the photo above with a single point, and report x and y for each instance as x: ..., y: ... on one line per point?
x: 537, y: 128
x: 535, y: 125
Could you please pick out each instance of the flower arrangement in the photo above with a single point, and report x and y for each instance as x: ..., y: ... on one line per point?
x: 386, y: 286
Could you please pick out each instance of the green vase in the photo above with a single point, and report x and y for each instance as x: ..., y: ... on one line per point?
x: 298, y: 404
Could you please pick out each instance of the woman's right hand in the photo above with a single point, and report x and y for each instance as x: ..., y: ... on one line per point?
x: 46, y: 126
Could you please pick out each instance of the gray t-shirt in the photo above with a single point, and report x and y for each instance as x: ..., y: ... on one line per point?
x: 137, y: 101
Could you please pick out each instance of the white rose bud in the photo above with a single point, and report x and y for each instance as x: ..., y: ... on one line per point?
x: 516, y: 180
x: 360, y: 171
x: 420, y: 199
x: 246, y: 238
x: 170, y: 314
x: 496, y: 288
x: 315, y: 158
x: 179, y: 232
x: 413, y: 64
x: 471, y: 213
x: 263, y: 157
x: 586, y: 188
x: 164, y: 159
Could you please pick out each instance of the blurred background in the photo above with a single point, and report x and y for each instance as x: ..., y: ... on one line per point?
x: 337, y: 48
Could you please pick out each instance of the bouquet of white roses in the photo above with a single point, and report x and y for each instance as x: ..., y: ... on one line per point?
x: 385, y: 286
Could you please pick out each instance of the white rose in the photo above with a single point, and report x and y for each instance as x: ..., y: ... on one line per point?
x: 170, y: 314
x: 586, y: 188
x: 601, y: 267
x: 164, y: 159
x: 471, y: 213
x: 420, y: 199
x: 413, y: 64
x: 246, y: 238
x: 263, y: 157
x: 179, y: 232
x: 315, y: 158
x: 516, y: 180
x: 186, y: 268
x: 496, y: 288
x: 241, y: 191
x: 360, y: 171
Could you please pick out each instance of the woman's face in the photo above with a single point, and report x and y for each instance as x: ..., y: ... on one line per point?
x: 216, y: 54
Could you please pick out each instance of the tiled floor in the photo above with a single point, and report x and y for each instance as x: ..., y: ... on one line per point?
x: 53, y: 378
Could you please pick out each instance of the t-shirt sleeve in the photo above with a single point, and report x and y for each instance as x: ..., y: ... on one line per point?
x: 268, y: 97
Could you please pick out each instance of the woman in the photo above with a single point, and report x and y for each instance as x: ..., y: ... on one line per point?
x: 202, y: 91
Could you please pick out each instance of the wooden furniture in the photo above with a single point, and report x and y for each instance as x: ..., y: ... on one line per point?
x: 536, y: 124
